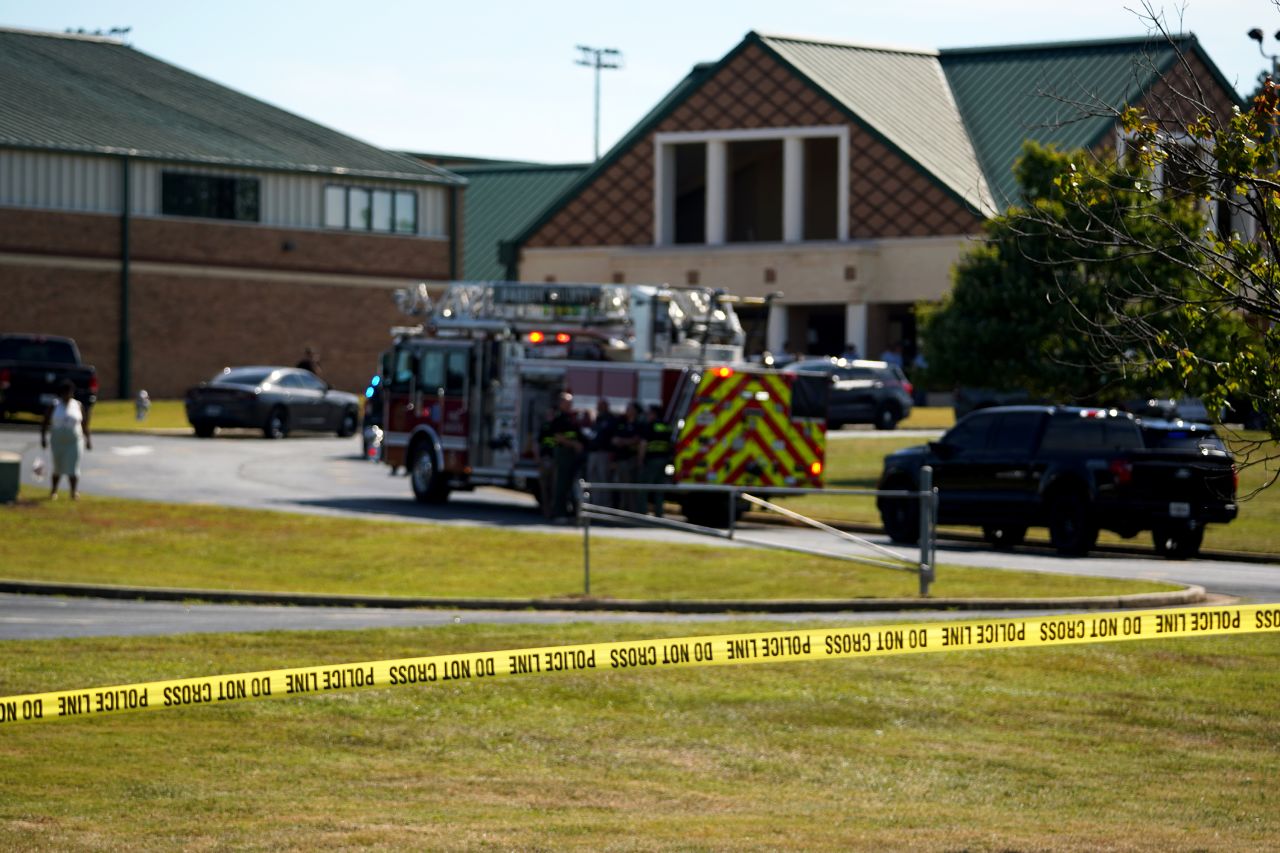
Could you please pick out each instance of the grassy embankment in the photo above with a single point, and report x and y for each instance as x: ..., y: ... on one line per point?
x: 105, y: 540
x: 1135, y: 746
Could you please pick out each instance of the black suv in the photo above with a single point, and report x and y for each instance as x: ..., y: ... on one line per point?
x: 862, y: 392
x: 1072, y: 470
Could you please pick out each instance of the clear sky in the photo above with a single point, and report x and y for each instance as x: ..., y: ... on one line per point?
x: 499, y: 79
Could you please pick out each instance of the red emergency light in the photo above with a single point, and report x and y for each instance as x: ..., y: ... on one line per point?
x: 723, y: 372
x: 536, y: 337
x: 562, y: 337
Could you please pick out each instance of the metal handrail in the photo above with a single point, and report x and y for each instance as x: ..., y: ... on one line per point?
x: 927, y: 495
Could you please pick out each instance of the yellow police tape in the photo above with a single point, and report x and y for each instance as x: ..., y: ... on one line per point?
x: 771, y: 647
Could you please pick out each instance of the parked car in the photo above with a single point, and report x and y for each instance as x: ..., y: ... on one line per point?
x: 33, y: 366
x: 862, y: 392
x: 1072, y: 470
x: 276, y: 400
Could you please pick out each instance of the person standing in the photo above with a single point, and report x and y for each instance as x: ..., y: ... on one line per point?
x: 566, y: 436
x: 657, y: 456
x: 628, y: 455
x: 600, y: 453
x: 310, y: 361
x: 70, y: 434
x: 547, y: 464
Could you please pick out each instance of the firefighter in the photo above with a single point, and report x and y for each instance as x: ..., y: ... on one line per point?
x: 600, y: 452
x: 566, y: 436
x: 657, y: 456
x: 546, y: 463
x: 628, y: 456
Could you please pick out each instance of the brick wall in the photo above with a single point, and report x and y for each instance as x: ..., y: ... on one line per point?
x: 232, y: 304
x: 216, y: 244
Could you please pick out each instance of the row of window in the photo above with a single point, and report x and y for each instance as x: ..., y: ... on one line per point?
x: 360, y: 209
x: 239, y: 200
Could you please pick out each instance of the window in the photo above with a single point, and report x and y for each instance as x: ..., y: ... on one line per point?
x: 366, y: 209
x: 970, y: 433
x: 456, y: 377
x: 335, y: 207
x: 821, y: 188
x: 209, y: 197
x: 755, y: 191
x: 1016, y: 433
x: 402, y: 378
x: 381, y: 216
x: 1072, y: 434
x: 310, y: 381
x: 431, y: 377
x: 405, y: 212
x: 691, y: 193
x: 358, y: 211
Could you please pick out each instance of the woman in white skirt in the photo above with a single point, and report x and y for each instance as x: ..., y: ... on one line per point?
x: 71, y: 437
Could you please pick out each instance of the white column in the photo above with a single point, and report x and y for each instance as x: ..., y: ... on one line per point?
x: 855, y: 327
x: 793, y: 189
x: 717, y: 191
x: 775, y: 330
x: 664, y: 197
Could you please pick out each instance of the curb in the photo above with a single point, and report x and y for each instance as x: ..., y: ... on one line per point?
x: 1187, y: 595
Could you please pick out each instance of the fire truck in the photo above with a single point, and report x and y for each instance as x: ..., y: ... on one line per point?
x: 466, y: 391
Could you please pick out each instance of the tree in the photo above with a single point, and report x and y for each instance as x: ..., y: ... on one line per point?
x: 1187, y: 303
x: 1044, y: 302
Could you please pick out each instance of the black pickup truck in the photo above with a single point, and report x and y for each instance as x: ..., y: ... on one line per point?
x: 1073, y: 470
x: 33, y: 366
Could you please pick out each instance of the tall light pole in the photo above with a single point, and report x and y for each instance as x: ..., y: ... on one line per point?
x: 598, y: 58
x: 1256, y: 35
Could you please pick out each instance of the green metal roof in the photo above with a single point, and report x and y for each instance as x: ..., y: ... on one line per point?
x: 96, y: 95
x: 500, y: 202
x: 900, y: 94
x: 1011, y: 93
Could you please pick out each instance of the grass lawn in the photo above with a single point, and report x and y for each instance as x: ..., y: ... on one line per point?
x: 106, y: 540
x: 1152, y: 745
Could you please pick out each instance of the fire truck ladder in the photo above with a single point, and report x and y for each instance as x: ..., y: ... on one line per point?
x: 879, y: 556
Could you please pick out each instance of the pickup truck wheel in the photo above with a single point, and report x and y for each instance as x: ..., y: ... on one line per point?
x: 1072, y: 529
x: 203, y: 430
x: 887, y: 417
x: 1002, y: 537
x: 900, y: 516
x: 277, y: 425
x: 1177, y: 541
x: 429, y: 485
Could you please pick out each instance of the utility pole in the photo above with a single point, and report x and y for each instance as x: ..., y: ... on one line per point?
x: 598, y: 58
